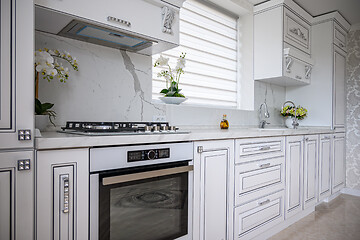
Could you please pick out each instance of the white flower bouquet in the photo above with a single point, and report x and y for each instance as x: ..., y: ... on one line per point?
x: 172, y: 76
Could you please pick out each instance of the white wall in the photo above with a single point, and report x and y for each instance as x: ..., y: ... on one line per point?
x: 114, y: 85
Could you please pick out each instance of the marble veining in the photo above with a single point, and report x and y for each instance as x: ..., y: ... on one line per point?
x: 353, y: 111
x: 115, y: 85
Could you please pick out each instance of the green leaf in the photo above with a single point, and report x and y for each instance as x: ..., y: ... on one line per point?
x: 164, y: 91
x: 47, y: 106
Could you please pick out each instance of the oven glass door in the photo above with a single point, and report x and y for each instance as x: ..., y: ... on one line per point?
x: 148, y: 208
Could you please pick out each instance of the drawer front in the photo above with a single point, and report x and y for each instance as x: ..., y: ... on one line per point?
x: 256, y: 179
x: 257, y: 216
x: 296, y: 31
x: 339, y: 37
x: 258, y: 148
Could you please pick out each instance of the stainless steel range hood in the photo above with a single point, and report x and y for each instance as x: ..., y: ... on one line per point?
x: 66, y: 25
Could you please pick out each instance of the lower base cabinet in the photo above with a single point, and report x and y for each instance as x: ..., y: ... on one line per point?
x: 311, y: 146
x: 17, y: 195
x: 62, y: 184
x: 324, y: 176
x: 338, y: 162
x: 211, y: 177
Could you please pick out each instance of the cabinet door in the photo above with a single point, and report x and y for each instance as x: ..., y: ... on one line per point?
x: 16, y: 72
x: 324, y: 181
x: 62, y: 194
x: 294, y: 175
x: 339, y: 88
x: 338, y: 173
x: 211, y: 189
x: 5, y: 205
x: 310, y: 170
x: 16, y: 196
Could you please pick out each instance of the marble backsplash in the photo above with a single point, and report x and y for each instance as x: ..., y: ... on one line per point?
x: 353, y: 111
x: 114, y: 85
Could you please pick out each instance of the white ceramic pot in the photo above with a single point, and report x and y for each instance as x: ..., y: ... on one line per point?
x: 288, y: 122
x: 41, y: 122
x: 173, y: 100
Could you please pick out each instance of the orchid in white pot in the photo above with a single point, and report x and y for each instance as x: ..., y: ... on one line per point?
x: 48, y: 67
x: 172, y: 76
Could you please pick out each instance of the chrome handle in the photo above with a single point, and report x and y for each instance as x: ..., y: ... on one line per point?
x: 264, y: 148
x: 64, y: 194
x: 306, y: 139
x: 145, y: 175
x: 326, y: 137
x: 264, y: 202
x: 265, y: 165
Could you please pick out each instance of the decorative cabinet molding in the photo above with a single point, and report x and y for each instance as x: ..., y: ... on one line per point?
x: 168, y: 16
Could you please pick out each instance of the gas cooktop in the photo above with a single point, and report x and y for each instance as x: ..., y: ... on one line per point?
x: 119, y: 128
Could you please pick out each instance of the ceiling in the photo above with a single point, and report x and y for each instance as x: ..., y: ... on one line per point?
x: 350, y: 9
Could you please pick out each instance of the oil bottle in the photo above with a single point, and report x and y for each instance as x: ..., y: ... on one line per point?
x: 224, y: 124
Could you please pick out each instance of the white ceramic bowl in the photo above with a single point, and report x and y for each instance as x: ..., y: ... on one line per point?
x: 173, y: 100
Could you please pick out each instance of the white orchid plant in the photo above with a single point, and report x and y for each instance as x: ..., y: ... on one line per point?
x: 172, y: 76
x: 47, y: 65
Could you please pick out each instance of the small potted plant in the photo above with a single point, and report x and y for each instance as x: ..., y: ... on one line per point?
x: 289, y: 113
x: 171, y: 93
x: 49, y: 68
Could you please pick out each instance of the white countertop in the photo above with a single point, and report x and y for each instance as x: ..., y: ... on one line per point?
x: 55, y: 140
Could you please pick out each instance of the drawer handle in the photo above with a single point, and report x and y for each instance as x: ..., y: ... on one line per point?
x: 264, y: 148
x: 264, y: 202
x: 265, y: 165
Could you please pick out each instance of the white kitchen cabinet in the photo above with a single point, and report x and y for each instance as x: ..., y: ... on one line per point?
x: 17, y: 73
x: 338, y: 162
x: 211, y: 189
x: 282, y: 43
x: 311, y: 148
x: 294, y: 175
x: 339, y: 88
x: 324, y: 179
x: 62, y: 200
x: 325, y: 96
x: 17, y: 195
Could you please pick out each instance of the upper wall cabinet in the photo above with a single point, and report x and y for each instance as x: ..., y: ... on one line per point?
x: 16, y: 74
x: 282, y: 43
x: 325, y: 97
x: 144, y: 26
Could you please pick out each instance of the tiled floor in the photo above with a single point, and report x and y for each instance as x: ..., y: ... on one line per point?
x: 337, y: 220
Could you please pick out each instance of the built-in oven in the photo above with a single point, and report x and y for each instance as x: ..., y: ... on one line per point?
x: 141, y: 192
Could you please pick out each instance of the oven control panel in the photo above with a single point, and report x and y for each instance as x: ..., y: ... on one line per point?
x: 150, y: 154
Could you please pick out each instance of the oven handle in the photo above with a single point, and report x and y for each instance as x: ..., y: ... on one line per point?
x: 145, y: 175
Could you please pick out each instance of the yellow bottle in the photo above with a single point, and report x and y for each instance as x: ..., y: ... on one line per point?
x: 224, y: 124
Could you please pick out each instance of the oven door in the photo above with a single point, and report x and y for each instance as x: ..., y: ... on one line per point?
x: 151, y: 203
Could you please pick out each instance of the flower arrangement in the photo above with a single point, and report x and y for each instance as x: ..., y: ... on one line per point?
x: 47, y: 65
x: 172, y: 76
x: 289, y: 111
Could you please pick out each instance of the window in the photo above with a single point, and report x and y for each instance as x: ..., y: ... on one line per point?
x: 209, y: 39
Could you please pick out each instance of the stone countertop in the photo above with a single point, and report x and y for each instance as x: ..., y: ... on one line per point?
x: 56, y: 140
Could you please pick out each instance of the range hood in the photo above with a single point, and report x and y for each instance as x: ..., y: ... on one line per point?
x: 70, y: 26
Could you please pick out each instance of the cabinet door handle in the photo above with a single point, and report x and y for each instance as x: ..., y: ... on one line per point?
x: 326, y: 137
x: 342, y: 45
x: 64, y: 192
x: 265, y: 165
x: 306, y: 139
x: 264, y: 202
x: 264, y: 148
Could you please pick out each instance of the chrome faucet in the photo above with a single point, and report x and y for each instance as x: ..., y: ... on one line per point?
x: 263, y: 122
x: 295, y: 120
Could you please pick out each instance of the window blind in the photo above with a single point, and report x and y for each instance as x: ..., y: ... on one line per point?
x: 209, y: 39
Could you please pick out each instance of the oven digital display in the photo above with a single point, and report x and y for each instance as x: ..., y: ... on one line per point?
x: 150, y: 154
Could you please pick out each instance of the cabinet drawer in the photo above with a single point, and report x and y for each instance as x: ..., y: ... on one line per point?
x: 339, y: 37
x: 258, y: 148
x: 256, y: 179
x: 296, y: 31
x: 257, y: 216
